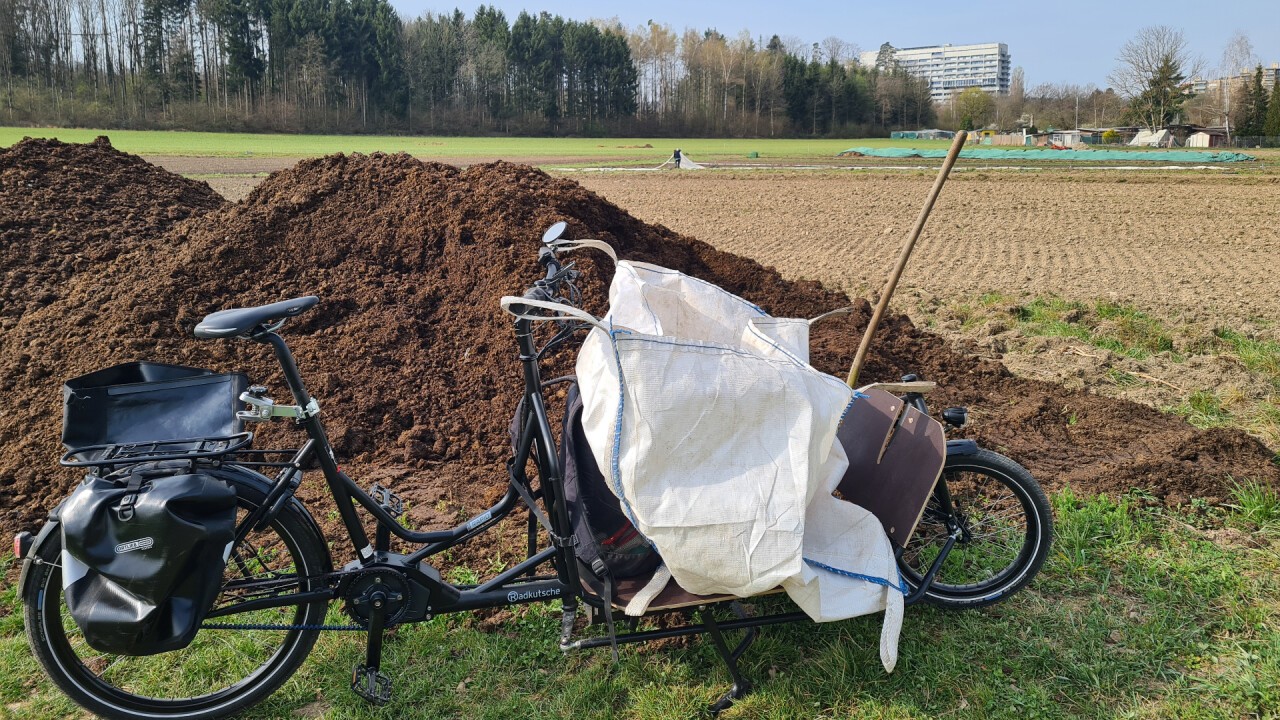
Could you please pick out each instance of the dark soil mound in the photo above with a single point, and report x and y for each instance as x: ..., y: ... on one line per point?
x: 415, y: 364
x: 66, y: 209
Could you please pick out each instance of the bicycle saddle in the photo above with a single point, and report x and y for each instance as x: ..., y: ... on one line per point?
x: 238, y: 321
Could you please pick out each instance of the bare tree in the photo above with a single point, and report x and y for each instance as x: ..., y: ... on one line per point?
x: 833, y: 48
x: 794, y: 45
x: 1236, y: 57
x: 1151, y: 71
x: 1141, y: 58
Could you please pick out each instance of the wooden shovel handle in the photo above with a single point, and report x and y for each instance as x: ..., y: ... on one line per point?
x: 903, y: 256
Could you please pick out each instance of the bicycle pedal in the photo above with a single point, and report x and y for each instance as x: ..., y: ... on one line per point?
x: 371, y: 684
x: 387, y: 499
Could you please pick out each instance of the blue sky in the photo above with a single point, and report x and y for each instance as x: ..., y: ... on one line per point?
x: 1070, y: 42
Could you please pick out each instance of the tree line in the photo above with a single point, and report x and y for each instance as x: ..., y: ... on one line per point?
x: 355, y: 65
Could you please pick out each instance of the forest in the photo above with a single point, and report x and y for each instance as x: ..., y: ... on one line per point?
x: 357, y: 66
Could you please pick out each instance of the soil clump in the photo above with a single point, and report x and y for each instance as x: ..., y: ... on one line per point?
x: 415, y: 365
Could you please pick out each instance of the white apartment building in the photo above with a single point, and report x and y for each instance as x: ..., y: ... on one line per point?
x: 1243, y: 79
x: 951, y: 69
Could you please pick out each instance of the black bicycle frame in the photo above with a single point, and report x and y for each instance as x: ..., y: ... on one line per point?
x: 516, y: 585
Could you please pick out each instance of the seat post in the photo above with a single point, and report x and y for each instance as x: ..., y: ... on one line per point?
x: 292, y: 376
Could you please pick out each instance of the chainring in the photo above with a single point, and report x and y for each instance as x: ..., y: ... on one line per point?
x: 358, y: 593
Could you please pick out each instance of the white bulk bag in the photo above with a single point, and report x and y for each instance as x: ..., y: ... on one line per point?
x: 719, y: 439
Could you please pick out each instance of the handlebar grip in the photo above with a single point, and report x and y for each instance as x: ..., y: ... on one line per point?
x: 548, y: 258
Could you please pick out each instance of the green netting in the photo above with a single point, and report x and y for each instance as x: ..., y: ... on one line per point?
x: 1177, y: 156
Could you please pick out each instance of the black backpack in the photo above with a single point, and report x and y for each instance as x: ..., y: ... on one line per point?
x: 608, y: 543
x: 608, y: 546
x: 143, y: 556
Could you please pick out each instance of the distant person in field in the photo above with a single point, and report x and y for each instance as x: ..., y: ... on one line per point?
x: 677, y: 158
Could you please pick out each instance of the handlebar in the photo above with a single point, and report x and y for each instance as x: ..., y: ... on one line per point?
x: 557, y: 274
x: 545, y: 289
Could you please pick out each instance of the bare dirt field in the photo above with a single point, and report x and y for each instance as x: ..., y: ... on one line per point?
x: 1199, y: 250
x: 1203, y: 246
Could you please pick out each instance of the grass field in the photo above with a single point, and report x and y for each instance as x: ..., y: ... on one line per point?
x: 1139, y: 613
x: 204, y: 144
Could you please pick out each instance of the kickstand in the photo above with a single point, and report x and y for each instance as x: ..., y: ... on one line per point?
x: 741, y: 685
x: 367, y: 680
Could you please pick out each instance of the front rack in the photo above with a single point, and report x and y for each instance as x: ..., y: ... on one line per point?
x: 155, y: 450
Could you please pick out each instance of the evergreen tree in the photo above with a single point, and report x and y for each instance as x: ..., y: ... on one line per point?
x: 1271, y: 128
x: 1253, y: 111
x: 240, y: 40
x: 1161, y: 102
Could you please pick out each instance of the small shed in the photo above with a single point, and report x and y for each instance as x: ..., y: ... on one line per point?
x: 1207, y: 138
x: 1067, y: 138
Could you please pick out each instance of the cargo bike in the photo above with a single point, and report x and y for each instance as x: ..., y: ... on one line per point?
x: 163, y: 444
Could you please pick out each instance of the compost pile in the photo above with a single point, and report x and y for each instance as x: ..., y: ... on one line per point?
x: 66, y: 209
x: 415, y: 364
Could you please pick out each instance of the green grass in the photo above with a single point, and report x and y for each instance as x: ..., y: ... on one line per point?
x: 1141, y: 612
x: 1119, y: 328
x: 1262, y: 356
x: 1203, y: 408
x: 1258, y: 506
x: 206, y: 144
x: 1129, y: 332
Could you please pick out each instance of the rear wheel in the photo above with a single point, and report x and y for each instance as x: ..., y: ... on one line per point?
x: 1003, y: 525
x: 222, y: 671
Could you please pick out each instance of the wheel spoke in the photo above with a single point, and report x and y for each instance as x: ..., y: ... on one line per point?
x: 991, y: 499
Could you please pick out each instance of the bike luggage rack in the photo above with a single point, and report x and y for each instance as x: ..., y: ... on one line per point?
x: 155, y: 450
x: 250, y: 457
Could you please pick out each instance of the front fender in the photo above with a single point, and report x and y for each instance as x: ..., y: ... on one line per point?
x: 961, y: 447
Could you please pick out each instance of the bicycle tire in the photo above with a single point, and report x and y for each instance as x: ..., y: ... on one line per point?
x: 175, y: 685
x: 1008, y: 529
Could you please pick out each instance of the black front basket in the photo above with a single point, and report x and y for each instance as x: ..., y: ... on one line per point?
x: 147, y: 402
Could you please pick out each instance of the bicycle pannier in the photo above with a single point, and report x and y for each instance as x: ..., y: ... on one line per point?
x: 145, y: 402
x: 143, y: 556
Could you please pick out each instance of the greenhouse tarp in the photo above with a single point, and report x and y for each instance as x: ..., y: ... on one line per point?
x: 1181, y: 156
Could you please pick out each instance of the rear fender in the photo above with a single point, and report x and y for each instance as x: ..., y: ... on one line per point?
x: 264, y: 484
x: 51, y: 528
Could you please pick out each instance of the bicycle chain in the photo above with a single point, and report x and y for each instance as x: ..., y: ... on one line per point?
x: 273, y: 626
x: 324, y: 578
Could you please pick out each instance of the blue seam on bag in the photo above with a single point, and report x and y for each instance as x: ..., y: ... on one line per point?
x: 900, y: 587
x: 659, y: 340
x: 615, y: 471
x: 846, y: 408
x: 665, y: 271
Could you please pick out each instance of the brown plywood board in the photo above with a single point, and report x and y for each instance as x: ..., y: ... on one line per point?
x: 895, y: 458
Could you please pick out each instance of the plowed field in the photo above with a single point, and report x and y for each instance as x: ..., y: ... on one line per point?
x: 1204, y: 247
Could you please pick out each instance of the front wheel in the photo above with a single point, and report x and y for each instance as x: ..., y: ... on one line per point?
x: 1003, y: 528
x: 222, y: 671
